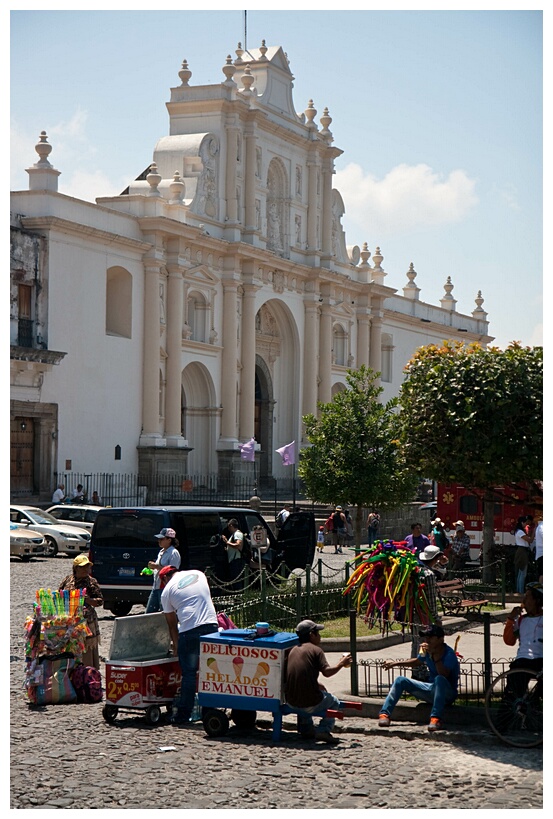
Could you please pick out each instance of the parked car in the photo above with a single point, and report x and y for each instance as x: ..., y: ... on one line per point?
x: 123, y: 541
x: 75, y: 515
x: 25, y: 544
x: 59, y: 537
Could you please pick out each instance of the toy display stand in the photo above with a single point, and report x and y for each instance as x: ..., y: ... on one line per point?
x: 56, y: 640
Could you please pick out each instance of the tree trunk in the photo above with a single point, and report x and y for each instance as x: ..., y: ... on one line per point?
x: 488, y: 539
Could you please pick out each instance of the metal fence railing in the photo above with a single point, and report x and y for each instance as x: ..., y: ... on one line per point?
x: 188, y: 490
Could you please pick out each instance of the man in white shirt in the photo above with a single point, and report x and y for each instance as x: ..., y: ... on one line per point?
x: 190, y: 613
x: 234, y: 545
x: 59, y: 494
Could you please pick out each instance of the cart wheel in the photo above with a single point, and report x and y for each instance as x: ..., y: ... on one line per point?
x: 216, y: 723
x: 109, y: 712
x: 243, y: 719
x: 153, y: 715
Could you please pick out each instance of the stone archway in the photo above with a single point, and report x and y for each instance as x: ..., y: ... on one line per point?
x: 198, y: 419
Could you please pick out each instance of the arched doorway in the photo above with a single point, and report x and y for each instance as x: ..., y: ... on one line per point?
x: 198, y: 419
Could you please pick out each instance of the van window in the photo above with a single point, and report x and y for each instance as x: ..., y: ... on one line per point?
x: 195, y: 530
x: 133, y: 524
x: 468, y: 505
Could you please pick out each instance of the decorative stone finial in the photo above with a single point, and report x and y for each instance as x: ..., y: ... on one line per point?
x: 365, y: 255
x: 479, y: 312
x: 263, y: 49
x: 310, y: 114
x: 325, y: 122
x: 239, y: 51
x: 411, y: 291
x: 378, y: 258
x: 247, y: 80
x: 43, y: 149
x: 153, y: 179
x: 448, y: 302
x: 177, y: 189
x: 185, y: 73
x: 229, y: 70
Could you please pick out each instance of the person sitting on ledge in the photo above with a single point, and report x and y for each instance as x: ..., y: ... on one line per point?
x: 443, y: 669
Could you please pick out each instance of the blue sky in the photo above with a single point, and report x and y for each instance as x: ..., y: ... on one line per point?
x: 439, y: 115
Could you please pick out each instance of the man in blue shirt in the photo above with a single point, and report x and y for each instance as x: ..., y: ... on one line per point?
x: 443, y: 670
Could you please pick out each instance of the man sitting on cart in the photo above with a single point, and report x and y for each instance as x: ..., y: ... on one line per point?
x: 304, y: 694
x: 190, y: 613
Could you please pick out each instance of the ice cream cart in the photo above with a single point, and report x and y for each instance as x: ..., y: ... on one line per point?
x: 141, y: 673
x: 243, y: 671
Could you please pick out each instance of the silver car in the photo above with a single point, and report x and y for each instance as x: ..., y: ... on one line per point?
x: 25, y: 544
x: 59, y: 536
x: 81, y: 515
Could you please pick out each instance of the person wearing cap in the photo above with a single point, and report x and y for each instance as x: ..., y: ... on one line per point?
x: 416, y: 540
x: 460, y: 546
x: 430, y: 560
x: 525, y: 625
x: 438, y: 533
x: 443, y: 678
x: 304, y: 694
x: 234, y: 546
x: 190, y: 613
x: 339, y: 529
x: 168, y: 556
x: 81, y: 578
x: 321, y: 539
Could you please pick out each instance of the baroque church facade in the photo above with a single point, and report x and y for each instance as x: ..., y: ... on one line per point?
x: 212, y: 301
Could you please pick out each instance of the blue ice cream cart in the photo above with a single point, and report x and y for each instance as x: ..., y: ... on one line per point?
x: 242, y: 670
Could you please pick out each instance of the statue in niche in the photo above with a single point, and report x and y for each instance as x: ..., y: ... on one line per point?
x: 162, y: 304
x: 258, y: 214
x: 274, y: 227
x: 258, y: 162
x: 205, y: 200
x: 298, y: 180
x: 297, y: 220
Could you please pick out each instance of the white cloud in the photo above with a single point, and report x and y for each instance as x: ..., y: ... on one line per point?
x: 408, y: 197
x: 90, y: 184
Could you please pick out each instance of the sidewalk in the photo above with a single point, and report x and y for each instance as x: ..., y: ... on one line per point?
x: 409, y: 716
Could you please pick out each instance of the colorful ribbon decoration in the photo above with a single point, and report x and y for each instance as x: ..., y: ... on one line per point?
x: 387, y: 585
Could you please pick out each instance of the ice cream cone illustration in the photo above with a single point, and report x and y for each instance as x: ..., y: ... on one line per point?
x: 212, y: 665
x: 237, y: 663
x: 262, y: 670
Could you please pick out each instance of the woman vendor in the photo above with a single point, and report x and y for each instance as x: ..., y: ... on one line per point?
x: 81, y: 579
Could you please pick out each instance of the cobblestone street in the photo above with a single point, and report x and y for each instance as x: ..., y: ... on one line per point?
x: 67, y: 756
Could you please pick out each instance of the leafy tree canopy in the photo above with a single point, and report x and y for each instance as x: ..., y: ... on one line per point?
x: 355, y: 455
x: 472, y: 415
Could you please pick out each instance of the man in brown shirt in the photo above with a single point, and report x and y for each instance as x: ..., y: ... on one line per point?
x: 304, y: 694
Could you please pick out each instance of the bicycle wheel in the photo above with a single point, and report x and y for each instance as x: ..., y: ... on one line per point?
x: 514, y: 708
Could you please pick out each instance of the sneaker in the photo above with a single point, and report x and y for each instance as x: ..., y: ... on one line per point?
x: 383, y: 721
x: 435, y: 724
x: 324, y: 736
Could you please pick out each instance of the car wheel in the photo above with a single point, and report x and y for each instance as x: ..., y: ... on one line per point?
x: 51, y: 549
x: 120, y: 609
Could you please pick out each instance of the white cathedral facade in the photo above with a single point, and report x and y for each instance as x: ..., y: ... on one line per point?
x: 213, y: 301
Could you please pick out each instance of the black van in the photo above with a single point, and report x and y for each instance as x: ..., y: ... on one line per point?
x: 123, y: 541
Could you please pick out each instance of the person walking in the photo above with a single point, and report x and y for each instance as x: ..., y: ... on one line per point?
x: 443, y: 678
x: 168, y: 556
x: 234, y: 546
x: 373, y: 526
x: 304, y: 694
x: 339, y: 529
x: 81, y: 578
x: 190, y: 613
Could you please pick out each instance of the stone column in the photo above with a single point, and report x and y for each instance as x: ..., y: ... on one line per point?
x: 363, y: 339
x: 173, y: 431
x: 229, y: 357
x: 247, y: 377
x: 327, y: 213
x: 375, y: 352
x: 310, y: 357
x: 325, y: 355
x: 150, y: 391
x: 312, y: 166
x: 230, y: 173
x: 249, y: 193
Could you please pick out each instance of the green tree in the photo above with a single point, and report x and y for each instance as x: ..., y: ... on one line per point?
x: 473, y: 416
x: 355, y: 456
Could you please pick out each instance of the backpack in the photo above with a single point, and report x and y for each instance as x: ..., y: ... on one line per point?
x: 246, y: 549
x: 224, y: 621
x: 87, y: 682
x: 279, y: 520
